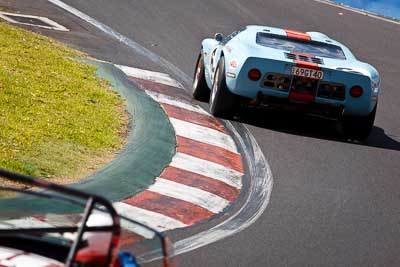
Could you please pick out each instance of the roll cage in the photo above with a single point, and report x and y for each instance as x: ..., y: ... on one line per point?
x: 68, y: 251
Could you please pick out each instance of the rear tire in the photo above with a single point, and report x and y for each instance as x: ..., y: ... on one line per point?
x: 359, y: 128
x: 200, y: 91
x: 222, y: 101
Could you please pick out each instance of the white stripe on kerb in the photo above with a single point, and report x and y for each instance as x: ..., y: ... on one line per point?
x: 153, y: 219
x: 137, y: 229
x: 165, y: 99
x: 207, y: 168
x: 157, y: 77
x: 7, y: 252
x: 23, y: 259
x: 203, y: 134
x: 125, y: 40
x: 190, y: 194
x: 24, y: 223
x: 100, y: 218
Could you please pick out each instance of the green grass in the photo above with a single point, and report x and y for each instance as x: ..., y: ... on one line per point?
x: 57, y: 119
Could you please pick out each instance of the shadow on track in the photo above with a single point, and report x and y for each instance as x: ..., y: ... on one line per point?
x: 380, y: 139
x: 298, y: 124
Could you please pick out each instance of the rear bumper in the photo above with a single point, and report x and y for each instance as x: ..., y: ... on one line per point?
x: 361, y: 106
x: 322, y: 110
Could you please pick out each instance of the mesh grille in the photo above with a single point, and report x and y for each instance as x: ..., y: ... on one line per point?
x: 277, y: 81
x: 304, y: 58
x: 332, y: 91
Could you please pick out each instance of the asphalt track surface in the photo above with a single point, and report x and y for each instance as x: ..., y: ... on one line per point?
x: 334, y: 202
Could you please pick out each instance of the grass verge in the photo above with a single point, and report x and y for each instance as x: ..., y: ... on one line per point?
x: 57, y: 118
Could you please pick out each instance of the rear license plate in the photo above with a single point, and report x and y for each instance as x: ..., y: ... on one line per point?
x: 307, y: 73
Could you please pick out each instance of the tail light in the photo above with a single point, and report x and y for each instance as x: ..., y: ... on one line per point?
x: 254, y: 74
x: 356, y: 91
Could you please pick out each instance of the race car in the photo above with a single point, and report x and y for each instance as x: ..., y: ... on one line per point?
x: 290, y: 70
x: 44, y: 224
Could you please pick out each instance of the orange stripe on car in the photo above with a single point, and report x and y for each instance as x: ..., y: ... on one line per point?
x: 308, y: 65
x: 298, y: 35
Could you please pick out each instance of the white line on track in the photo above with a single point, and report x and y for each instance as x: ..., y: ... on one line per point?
x: 196, y: 196
x: 203, y: 134
x: 355, y: 10
x: 165, y: 99
x: 53, y: 25
x: 153, y: 219
x: 207, y: 168
x: 125, y: 40
x: 148, y: 75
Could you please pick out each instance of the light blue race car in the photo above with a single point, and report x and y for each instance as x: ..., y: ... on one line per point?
x: 287, y: 70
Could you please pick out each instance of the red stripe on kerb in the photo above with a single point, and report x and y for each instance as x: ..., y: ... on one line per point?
x: 193, y: 117
x: 17, y: 255
x: 180, y: 210
x: 210, y: 153
x: 161, y: 88
x: 129, y: 238
x: 205, y: 183
x: 308, y: 65
x: 298, y: 35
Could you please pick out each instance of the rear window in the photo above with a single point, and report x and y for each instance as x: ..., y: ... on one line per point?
x: 293, y: 45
